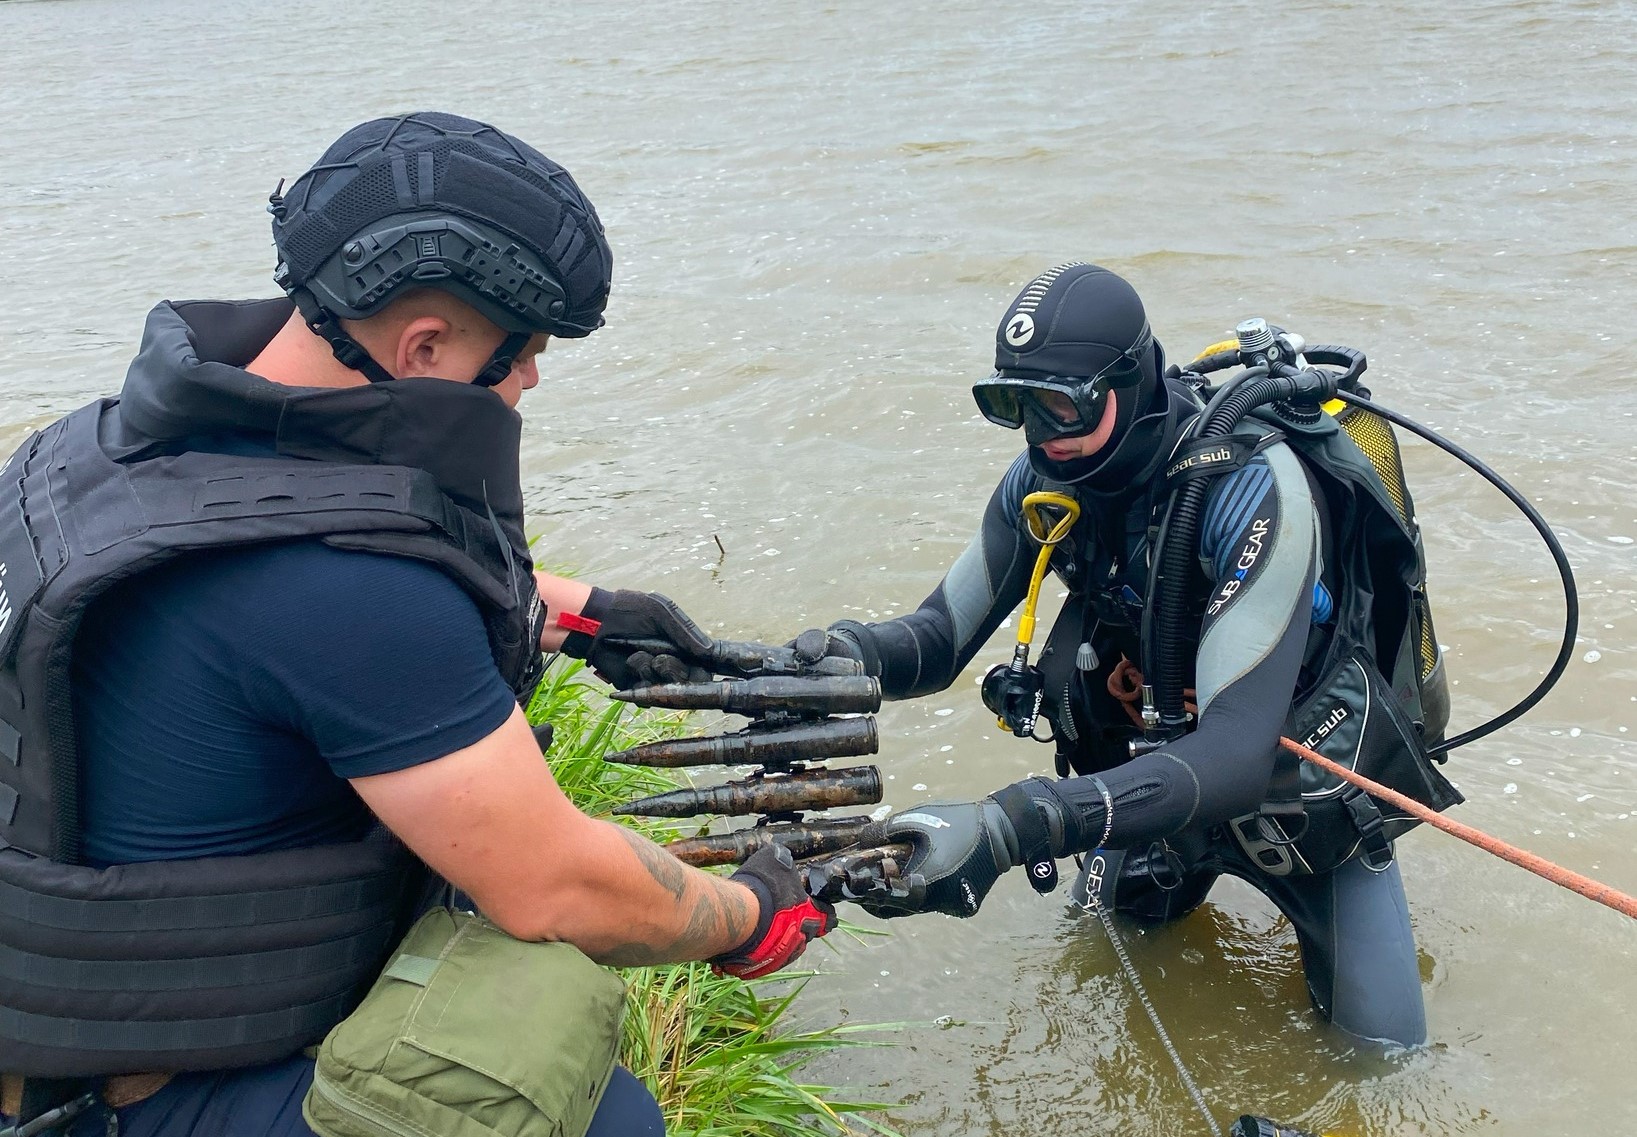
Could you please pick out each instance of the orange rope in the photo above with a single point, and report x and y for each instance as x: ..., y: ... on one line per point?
x: 1540, y: 866
x: 1125, y: 684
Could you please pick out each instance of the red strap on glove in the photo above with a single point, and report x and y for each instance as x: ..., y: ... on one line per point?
x: 789, y: 920
x: 568, y: 621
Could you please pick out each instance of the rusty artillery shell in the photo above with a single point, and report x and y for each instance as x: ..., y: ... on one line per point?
x: 776, y: 793
x: 769, y: 694
x: 760, y: 746
x: 803, y: 839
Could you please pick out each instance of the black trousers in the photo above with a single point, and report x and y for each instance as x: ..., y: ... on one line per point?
x: 265, y: 1101
x: 1352, y: 924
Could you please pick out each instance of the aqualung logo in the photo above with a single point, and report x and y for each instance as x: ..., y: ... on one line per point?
x: 5, y: 601
x: 1020, y: 329
x: 1247, y: 560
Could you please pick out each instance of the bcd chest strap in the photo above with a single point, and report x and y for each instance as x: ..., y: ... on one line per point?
x: 1208, y: 457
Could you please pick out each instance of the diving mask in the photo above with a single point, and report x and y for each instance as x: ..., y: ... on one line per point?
x: 1058, y: 406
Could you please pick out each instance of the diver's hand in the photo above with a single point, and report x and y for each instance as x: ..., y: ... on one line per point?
x: 630, y: 638
x: 844, y: 639
x: 961, y: 848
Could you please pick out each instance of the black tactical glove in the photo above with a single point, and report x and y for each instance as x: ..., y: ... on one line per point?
x: 790, y: 919
x: 631, y: 638
x: 844, y: 639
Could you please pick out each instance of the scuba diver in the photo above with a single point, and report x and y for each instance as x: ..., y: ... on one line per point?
x: 1223, y: 591
x: 276, y: 596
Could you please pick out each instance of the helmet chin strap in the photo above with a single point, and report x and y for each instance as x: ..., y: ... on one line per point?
x: 322, y: 323
x: 500, y: 363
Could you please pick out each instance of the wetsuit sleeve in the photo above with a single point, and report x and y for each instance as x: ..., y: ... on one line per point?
x: 925, y: 650
x: 380, y: 662
x: 1258, y: 537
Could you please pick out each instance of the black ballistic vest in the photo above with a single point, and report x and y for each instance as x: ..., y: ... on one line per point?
x: 226, y: 961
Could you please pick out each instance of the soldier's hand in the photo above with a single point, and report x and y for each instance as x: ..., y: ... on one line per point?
x: 640, y: 637
x: 961, y: 848
x: 790, y: 919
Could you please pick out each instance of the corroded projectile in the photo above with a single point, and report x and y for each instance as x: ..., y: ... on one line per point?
x: 760, y: 746
x: 774, y: 793
x: 751, y: 658
x: 769, y: 694
x: 803, y: 839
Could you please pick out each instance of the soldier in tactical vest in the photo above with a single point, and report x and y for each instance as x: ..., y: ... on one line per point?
x: 1304, y: 579
x: 269, y: 617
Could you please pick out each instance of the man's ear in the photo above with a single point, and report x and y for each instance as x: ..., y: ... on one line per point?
x: 421, y: 346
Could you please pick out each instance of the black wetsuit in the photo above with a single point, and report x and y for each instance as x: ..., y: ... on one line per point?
x: 1265, y: 613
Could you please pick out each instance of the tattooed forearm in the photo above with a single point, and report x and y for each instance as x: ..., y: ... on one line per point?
x: 713, y: 920
x: 668, y: 872
x: 714, y: 915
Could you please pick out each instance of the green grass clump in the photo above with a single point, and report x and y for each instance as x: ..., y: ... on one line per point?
x: 720, y: 1054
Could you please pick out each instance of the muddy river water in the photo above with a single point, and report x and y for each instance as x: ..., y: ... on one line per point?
x: 818, y: 212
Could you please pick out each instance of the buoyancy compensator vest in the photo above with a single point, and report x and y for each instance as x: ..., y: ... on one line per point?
x: 227, y: 961
x: 1105, y: 566
x: 1378, y: 695
x: 1375, y: 717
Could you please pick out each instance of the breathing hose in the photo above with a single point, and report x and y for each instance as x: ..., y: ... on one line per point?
x: 1165, y: 616
x: 1014, y: 691
x: 1571, y: 596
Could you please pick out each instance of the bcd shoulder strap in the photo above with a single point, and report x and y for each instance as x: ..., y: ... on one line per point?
x: 1208, y: 457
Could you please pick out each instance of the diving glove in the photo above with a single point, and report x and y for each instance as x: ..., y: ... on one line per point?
x: 631, y: 638
x: 961, y: 848
x: 844, y: 639
x: 790, y: 919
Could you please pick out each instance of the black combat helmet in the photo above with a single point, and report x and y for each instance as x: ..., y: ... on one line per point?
x: 432, y: 200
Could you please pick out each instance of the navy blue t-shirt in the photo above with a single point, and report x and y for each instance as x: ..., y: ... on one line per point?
x: 222, y: 700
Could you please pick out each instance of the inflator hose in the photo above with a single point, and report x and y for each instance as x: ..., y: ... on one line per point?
x: 1164, y: 631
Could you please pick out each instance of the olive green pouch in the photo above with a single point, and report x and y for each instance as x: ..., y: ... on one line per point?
x: 471, y: 1033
